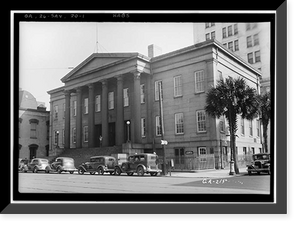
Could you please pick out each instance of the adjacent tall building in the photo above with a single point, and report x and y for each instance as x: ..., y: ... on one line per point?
x: 112, y: 99
x: 250, y: 41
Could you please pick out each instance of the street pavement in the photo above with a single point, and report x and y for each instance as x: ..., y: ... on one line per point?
x: 213, y: 181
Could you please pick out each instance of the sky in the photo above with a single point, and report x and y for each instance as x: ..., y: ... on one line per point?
x: 49, y: 49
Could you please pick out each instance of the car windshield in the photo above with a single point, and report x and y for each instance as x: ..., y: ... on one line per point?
x: 261, y: 157
x: 68, y: 160
x: 44, y: 161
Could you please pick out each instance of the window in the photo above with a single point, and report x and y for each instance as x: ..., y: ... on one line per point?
x: 157, y: 85
x: 256, y: 39
x: 202, y: 152
x: 250, y: 58
x: 74, y: 108
x: 249, y: 41
x: 143, y: 127
x: 179, y: 156
x: 250, y: 128
x: 55, y: 112
x: 199, y: 81
x: 224, y: 33
x: 257, y: 128
x: 212, y: 24
x: 235, y: 28
x: 213, y: 35
x: 206, y: 25
x: 207, y: 36
x: 33, y: 126
x: 225, y: 45
x: 201, y: 121
x: 257, y: 56
x: 177, y: 86
x: 74, y: 135
x: 242, y: 126
x: 64, y: 108
x: 220, y: 75
x: 86, y: 106
x: 236, y: 45
x: 230, y: 46
x: 222, y: 126
x: 85, y: 134
x: 179, y: 123
x: 126, y: 97
x: 142, y: 93
x: 158, y: 126
x: 230, y: 30
x: 111, y: 100
x: 98, y: 103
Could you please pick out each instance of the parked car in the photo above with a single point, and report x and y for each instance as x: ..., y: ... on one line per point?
x: 37, y: 164
x: 62, y: 164
x: 22, y: 163
x: 260, y: 163
x: 99, y: 164
x: 140, y: 164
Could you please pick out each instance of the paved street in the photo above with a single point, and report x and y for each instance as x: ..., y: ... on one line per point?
x: 75, y: 183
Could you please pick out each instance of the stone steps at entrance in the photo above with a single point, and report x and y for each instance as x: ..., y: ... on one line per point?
x: 81, y: 155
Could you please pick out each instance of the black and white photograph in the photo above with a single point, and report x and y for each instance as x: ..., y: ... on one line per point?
x: 115, y: 108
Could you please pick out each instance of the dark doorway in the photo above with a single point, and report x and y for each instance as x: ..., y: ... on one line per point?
x: 32, y: 150
x: 127, y: 131
x: 97, y: 133
x: 111, y: 134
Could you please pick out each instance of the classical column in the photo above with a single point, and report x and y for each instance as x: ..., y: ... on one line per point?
x: 104, y: 114
x: 136, y: 114
x: 91, y: 117
x: 67, y: 119
x: 120, y: 112
x: 78, y: 117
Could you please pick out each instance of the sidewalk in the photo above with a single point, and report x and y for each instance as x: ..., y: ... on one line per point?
x: 211, y: 173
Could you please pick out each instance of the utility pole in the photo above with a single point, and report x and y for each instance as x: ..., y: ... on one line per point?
x: 162, y: 128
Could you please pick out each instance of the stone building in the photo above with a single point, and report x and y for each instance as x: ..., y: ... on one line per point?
x: 113, y: 99
x: 33, y: 127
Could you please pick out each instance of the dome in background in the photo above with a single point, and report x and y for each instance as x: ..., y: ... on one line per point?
x: 27, y: 100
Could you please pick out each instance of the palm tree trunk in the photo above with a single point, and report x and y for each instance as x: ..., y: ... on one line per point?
x: 232, y: 128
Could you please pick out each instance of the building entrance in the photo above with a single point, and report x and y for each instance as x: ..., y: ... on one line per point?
x: 97, y: 134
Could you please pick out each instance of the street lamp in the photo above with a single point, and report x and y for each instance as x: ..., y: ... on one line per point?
x: 128, y: 125
x: 57, y: 134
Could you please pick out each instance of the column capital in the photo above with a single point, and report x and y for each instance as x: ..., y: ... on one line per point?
x: 67, y: 92
x: 78, y: 89
x: 91, y: 85
x: 119, y: 77
x: 104, y: 82
x: 136, y: 74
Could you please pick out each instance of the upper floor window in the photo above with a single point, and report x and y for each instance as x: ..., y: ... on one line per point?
x: 177, y: 86
x: 97, y: 103
x: 179, y: 123
x: 249, y: 41
x: 126, y: 97
x: 235, y: 28
x: 86, y: 106
x: 201, y: 121
x: 158, y: 128
x: 55, y: 112
x: 85, y: 133
x: 256, y: 39
x: 33, y: 128
x: 74, y: 107
x: 199, y: 81
x: 142, y: 93
x: 158, y: 85
x: 230, y: 30
x: 224, y: 33
x: 111, y: 103
x: 250, y: 58
x: 143, y: 127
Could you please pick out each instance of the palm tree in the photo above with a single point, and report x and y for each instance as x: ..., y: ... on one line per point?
x: 230, y: 98
x: 265, y: 115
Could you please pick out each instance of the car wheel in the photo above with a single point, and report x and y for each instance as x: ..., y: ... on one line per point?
x: 140, y: 171
x: 117, y: 171
x: 101, y: 171
x: 80, y: 171
x: 249, y: 172
x: 111, y: 173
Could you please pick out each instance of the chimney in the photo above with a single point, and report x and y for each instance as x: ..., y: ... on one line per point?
x: 154, y: 51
